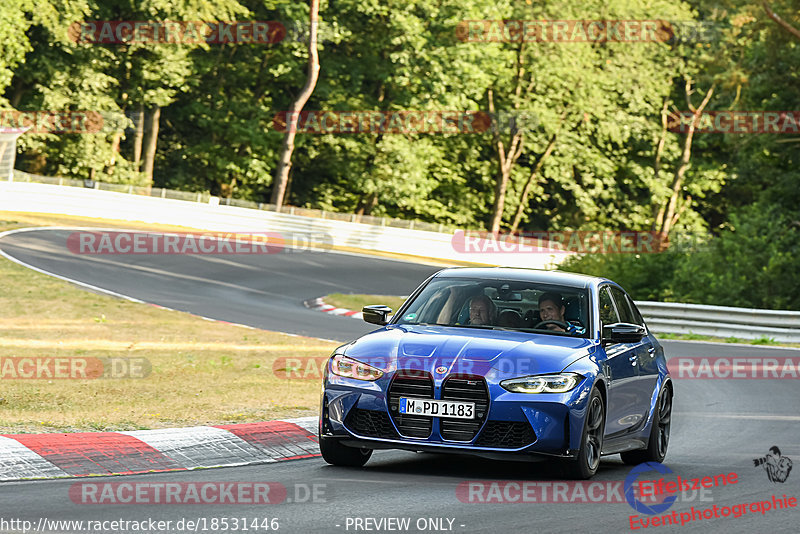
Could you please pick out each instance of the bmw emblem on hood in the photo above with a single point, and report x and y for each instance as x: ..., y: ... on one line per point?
x: 441, y: 370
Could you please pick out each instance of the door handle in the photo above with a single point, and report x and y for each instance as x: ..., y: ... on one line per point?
x: 651, y: 351
x: 632, y: 359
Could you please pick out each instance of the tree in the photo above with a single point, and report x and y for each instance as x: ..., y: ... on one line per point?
x: 782, y: 23
x: 667, y: 214
x: 285, y: 159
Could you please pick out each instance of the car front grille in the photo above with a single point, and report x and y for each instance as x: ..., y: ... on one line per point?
x: 413, y: 384
x: 370, y: 423
x: 465, y: 389
x: 506, y: 435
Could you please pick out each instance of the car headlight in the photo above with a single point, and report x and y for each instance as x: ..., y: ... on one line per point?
x: 557, y: 383
x: 349, y: 368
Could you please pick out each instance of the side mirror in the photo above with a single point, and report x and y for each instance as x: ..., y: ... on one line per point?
x: 623, y: 333
x: 376, y: 314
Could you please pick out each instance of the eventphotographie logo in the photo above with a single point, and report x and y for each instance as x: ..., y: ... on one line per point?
x: 777, y: 466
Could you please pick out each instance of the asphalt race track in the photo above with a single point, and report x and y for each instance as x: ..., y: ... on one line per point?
x: 719, y: 426
x: 262, y: 290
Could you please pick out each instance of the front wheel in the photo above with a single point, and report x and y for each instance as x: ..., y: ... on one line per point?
x: 335, y: 453
x: 588, y: 460
x: 658, y: 442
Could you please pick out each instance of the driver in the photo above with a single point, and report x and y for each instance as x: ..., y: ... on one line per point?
x: 551, y: 308
x: 482, y: 310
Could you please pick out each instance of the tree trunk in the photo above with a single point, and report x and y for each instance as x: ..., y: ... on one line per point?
x: 669, y: 218
x: 16, y: 96
x: 782, y: 23
x: 658, y: 211
x: 505, y: 163
x: 285, y: 159
x: 527, y: 189
x: 115, y: 141
x: 288, y: 193
x: 138, y: 138
x: 500, y: 187
x: 150, y: 145
x: 367, y: 204
x: 505, y: 160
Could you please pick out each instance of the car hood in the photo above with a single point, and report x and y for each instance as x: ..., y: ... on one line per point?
x: 442, y: 350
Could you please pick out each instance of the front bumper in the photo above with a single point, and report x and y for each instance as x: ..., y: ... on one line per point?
x: 516, y: 425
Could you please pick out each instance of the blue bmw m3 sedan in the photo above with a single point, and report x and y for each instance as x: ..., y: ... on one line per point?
x: 501, y: 362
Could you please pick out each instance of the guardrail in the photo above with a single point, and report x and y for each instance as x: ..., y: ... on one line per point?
x: 206, y: 197
x: 678, y: 318
x: 721, y: 321
x: 215, y: 217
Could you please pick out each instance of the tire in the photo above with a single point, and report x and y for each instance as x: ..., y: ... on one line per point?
x: 658, y: 441
x: 335, y: 453
x: 588, y: 459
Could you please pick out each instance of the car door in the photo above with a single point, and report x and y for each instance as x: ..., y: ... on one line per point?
x: 644, y: 350
x: 624, y: 409
x: 647, y: 353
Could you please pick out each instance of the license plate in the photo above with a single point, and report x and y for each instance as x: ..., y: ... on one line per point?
x: 437, y: 408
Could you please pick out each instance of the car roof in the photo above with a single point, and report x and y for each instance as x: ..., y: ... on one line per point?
x: 523, y: 275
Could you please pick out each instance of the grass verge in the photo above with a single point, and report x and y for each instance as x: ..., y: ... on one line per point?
x: 763, y: 340
x: 202, y: 372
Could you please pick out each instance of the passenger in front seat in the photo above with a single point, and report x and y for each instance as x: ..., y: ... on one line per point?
x: 551, y: 308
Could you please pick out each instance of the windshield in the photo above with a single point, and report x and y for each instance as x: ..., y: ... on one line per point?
x: 500, y: 304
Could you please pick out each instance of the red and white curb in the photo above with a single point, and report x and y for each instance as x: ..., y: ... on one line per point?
x: 319, y: 305
x: 27, y: 456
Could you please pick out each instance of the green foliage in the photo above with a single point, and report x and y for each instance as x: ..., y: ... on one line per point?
x: 644, y: 276
x: 602, y: 101
x: 752, y: 263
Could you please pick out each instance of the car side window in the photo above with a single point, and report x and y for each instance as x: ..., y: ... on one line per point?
x: 638, y: 319
x: 625, y: 312
x: 608, y: 314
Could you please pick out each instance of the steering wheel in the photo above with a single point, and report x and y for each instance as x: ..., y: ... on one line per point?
x: 565, y: 326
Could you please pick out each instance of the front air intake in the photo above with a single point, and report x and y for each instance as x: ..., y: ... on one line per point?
x: 411, y: 384
x: 467, y: 389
